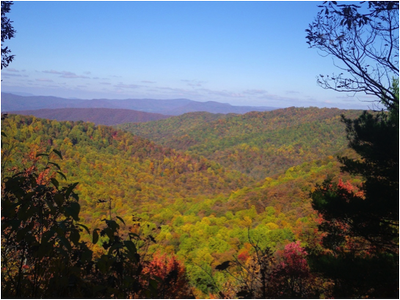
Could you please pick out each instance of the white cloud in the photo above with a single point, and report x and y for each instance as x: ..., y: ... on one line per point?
x: 255, y: 92
x: 127, y: 86
x: 292, y: 92
x: 65, y: 74
x: 6, y: 74
x: 193, y: 83
x: 43, y: 80
x: 12, y: 70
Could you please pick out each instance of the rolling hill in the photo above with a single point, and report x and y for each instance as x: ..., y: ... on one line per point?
x: 118, y: 164
x: 258, y: 144
x: 201, y: 201
x: 104, y: 116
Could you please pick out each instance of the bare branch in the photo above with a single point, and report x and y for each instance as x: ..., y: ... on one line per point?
x: 367, y: 45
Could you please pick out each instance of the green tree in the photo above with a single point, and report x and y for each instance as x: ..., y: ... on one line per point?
x: 362, y: 223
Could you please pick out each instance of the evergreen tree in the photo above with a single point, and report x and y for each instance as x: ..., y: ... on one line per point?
x: 362, y: 223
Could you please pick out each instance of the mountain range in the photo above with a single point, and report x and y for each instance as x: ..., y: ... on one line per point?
x: 103, y: 116
x: 11, y: 102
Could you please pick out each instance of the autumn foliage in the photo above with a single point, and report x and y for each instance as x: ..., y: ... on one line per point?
x: 173, y: 224
x: 170, y: 274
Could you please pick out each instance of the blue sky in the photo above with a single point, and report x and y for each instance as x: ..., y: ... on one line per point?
x: 242, y: 53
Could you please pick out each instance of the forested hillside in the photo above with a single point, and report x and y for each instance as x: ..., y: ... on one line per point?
x: 138, y: 174
x: 259, y: 144
x: 193, y: 207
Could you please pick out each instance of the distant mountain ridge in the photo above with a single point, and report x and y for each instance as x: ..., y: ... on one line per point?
x: 12, y: 102
x: 103, y: 116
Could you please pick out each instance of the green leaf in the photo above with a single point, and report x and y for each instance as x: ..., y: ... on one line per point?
x: 59, y: 199
x: 75, y: 196
x: 58, y: 153
x: 121, y: 220
x: 74, y: 236
x: 95, y: 235
x: 50, y: 204
x: 134, y: 236
x: 103, y: 264
x: 62, y: 175
x: 73, y: 210
x: 55, y: 182
x: 64, y: 241
x: 54, y: 164
x: 115, y: 246
x: 131, y: 249
x: 3, y: 134
x: 84, y: 226
x: 70, y: 188
x: 110, y: 233
x: 86, y: 256
x: 42, y: 154
x: 112, y: 225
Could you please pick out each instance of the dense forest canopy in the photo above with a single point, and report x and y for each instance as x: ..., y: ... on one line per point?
x: 259, y: 144
x: 191, y: 206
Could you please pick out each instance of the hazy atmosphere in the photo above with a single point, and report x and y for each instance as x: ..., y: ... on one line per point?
x: 242, y: 53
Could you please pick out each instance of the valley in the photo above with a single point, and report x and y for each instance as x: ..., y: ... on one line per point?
x: 204, y: 186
